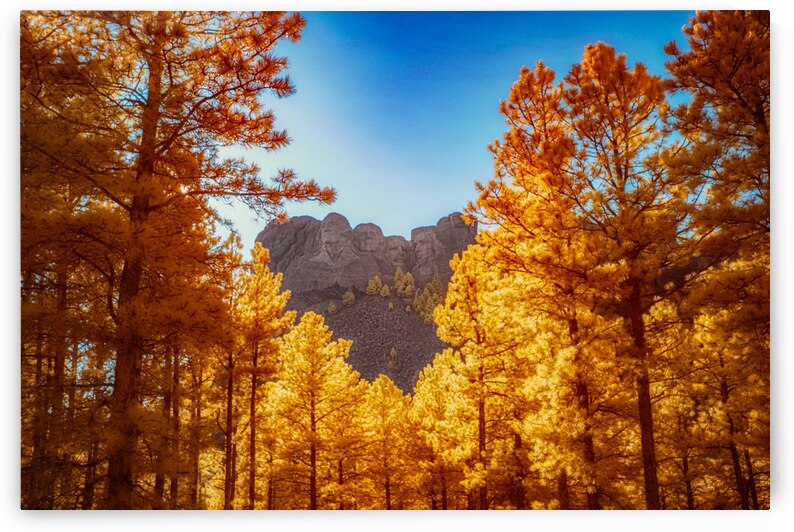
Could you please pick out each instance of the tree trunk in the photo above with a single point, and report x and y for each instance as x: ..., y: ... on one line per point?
x: 583, y: 403
x: 519, y: 496
x: 174, y: 429
x: 163, y: 446
x: 129, y: 348
x: 443, y: 491
x: 744, y: 501
x: 751, y: 479
x: 252, y: 422
x: 690, y: 494
x: 562, y: 490
x: 195, y: 424
x: 37, y: 469
x: 228, y: 491
x: 313, y: 459
x: 120, y: 479
x: 90, y: 477
x: 741, y: 487
x: 271, y: 492
x: 233, y: 482
x: 388, y: 492
x: 593, y: 501
x: 56, y: 424
x: 644, y: 407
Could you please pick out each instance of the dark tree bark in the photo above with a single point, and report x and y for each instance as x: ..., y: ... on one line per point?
x: 271, y: 492
x: 751, y: 479
x: 229, y: 480
x: 644, y: 407
x: 195, y: 427
x: 583, y: 402
x: 163, y: 445
x: 252, y: 423
x: 741, y: 487
x: 444, y: 505
x: 90, y: 476
x: 36, y: 471
x: 517, y: 485
x: 690, y: 493
x: 130, y: 339
x: 173, y: 497
x: 562, y: 490
x: 313, y: 459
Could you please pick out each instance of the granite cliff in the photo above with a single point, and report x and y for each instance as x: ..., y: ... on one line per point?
x: 320, y: 258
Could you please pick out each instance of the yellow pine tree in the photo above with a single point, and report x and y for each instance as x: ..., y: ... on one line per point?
x: 374, y: 286
x: 260, y: 318
x: 387, y: 459
x: 445, y: 429
x: 316, y: 392
x: 430, y: 296
x: 594, y: 143
x: 479, y: 322
x: 725, y: 124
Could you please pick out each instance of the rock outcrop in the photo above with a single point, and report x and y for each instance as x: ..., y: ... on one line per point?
x: 316, y: 255
x: 321, y: 260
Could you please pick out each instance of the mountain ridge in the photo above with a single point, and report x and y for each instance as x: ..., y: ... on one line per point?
x: 321, y: 260
x: 315, y: 254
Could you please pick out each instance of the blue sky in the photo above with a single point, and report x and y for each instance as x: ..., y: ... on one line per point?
x: 396, y: 109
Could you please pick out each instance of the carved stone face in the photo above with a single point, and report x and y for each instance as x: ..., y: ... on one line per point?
x: 395, y: 250
x: 333, y: 235
x: 369, y: 238
x: 425, y: 245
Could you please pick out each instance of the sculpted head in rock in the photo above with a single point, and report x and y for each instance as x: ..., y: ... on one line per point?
x: 334, y: 235
x: 316, y: 255
x: 368, y: 238
x: 426, y: 245
x: 396, y: 247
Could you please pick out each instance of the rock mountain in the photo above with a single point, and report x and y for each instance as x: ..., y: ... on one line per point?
x: 317, y: 258
x: 321, y: 260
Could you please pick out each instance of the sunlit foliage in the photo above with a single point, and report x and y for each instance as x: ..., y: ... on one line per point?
x: 608, y: 334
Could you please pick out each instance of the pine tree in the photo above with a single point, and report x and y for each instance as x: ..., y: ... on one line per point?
x: 588, y: 152
x: 431, y: 296
x: 193, y: 82
x: 348, y: 298
x: 261, y: 319
x: 374, y: 286
x: 478, y: 320
x: 726, y: 129
x: 388, y: 463
x: 317, y: 393
x: 404, y: 284
x: 445, y: 427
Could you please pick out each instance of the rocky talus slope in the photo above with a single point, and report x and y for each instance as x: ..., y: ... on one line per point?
x: 393, y: 342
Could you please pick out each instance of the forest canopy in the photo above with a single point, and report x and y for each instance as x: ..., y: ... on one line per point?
x: 609, y: 331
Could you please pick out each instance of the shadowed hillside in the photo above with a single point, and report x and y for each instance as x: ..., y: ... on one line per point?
x: 375, y: 331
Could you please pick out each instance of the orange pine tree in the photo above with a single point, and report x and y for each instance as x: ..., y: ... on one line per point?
x: 151, y: 98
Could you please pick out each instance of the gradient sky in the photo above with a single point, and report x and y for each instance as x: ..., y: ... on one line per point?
x: 396, y: 109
